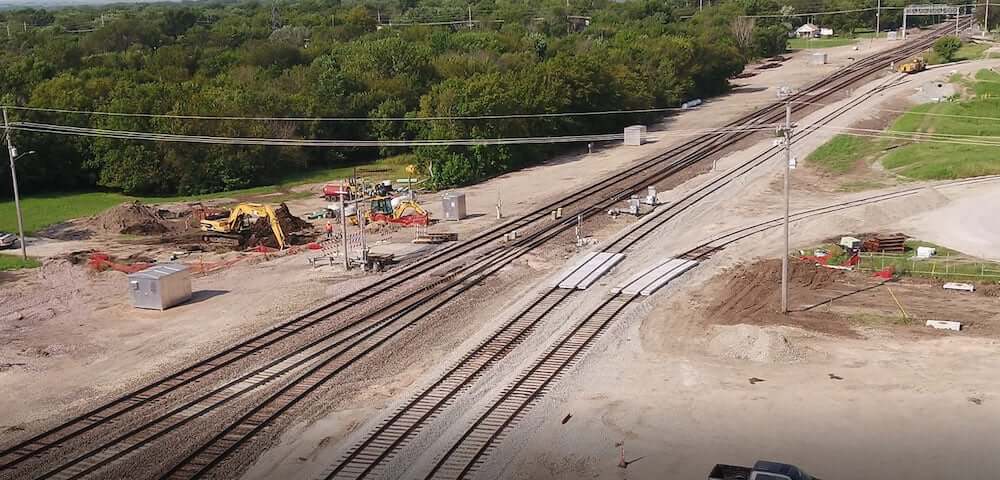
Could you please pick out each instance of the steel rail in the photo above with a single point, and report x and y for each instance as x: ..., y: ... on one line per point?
x: 172, y: 383
x: 363, y: 458
x: 468, y: 453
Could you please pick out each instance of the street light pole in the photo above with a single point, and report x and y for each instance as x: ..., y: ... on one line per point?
x: 12, y: 154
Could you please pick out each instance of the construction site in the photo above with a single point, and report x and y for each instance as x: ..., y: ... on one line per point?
x: 615, y: 312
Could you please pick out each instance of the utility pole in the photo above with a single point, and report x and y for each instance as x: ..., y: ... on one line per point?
x: 11, y: 152
x: 343, y: 232
x: 986, y: 21
x: 878, y: 17
x: 470, y: 16
x: 786, y: 94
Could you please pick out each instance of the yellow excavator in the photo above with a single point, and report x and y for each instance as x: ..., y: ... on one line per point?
x: 234, y: 229
x: 406, y: 211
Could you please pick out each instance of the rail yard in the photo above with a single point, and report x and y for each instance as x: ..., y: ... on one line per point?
x: 562, y: 341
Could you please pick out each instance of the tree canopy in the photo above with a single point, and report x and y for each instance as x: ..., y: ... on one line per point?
x: 345, y: 59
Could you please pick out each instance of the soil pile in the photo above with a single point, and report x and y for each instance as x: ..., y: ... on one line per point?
x: 131, y: 218
x: 262, y: 235
x: 752, y: 343
x: 992, y: 291
x: 752, y: 295
x: 756, y: 288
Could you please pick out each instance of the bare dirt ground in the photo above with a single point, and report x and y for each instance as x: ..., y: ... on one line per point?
x: 874, y: 401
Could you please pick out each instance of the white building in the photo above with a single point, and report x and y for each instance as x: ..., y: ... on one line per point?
x: 807, y: 31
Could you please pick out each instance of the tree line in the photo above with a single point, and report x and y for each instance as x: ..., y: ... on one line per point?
x: 317, y: 58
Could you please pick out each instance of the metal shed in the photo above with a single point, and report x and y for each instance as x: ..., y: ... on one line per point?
x: 160, y: 287
x: 635, y: 135
x: 453, y: 205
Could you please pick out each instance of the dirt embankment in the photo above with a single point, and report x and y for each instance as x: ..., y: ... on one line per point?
x: 131, y: 219
x: 845, y: 303
x: 755, y: 296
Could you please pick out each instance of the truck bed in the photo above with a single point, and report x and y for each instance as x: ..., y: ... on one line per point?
x: 729, y: 472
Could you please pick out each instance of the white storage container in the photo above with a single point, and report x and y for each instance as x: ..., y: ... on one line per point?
x: 453, y: 205
x: 635, y: 135
x: 160, y: 287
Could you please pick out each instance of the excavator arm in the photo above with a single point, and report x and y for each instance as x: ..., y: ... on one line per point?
x: 279, y: 234
x: 228, y: 225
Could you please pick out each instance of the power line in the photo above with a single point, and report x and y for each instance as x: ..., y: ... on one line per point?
x: 170, y: 137
x: 458, y: 117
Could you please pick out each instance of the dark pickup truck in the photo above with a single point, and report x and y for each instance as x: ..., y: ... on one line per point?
x: 762, y: 470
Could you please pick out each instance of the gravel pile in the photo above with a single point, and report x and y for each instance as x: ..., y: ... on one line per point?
x: 752, y: 343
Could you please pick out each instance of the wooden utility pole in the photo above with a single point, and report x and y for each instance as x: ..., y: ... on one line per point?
x: 13, y: 177
x: 878, y: 17
x: 343, y: 231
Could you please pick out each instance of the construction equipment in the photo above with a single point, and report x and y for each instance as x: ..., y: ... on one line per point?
x: 236, y: 227
x: 394, y: 210
x: 913, y: 66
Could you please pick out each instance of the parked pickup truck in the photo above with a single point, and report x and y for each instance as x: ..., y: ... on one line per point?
x: 762, y: 470
x: 7, y: 240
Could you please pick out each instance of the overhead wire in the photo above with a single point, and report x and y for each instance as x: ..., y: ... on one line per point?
x: 170, y: 137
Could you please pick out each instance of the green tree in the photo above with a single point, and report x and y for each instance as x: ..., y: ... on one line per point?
x: 946, y: 47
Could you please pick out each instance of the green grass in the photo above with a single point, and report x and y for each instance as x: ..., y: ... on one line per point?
x: 11, y: 262
x: 802, y: 43
x: 934, y: 161
x: 927, y: 160
x: 40, y: 211
x: 946, y: 264
x: 872, y: 320
x: 969, y: 51
x: 842, y: 152
x: 860, y: 186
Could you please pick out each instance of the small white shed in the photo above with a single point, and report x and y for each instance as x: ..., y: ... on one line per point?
x: 160, y: 287
x: 635, y: 135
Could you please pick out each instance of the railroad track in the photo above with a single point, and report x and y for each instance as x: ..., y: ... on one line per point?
x: 388, y: 437
x: 470, y: 452
x: 224, y: 444
x: 624, y: 184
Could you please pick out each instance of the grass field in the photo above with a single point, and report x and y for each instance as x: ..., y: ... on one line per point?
x: 11, y: 262
x: 800, y: 43
x: 945, y: 265
x: 932, y: 161
x: 978, y: 114
x: 842, y: 152
x: 41, y: 211
x: 969, y: 51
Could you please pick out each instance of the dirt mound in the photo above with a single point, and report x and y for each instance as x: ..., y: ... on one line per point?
x: 752, y: 294
x: 290, y: 223
x: 131, y: 218
x: 992, y: 291
x: 292, y: 226
x: 756, y: 287
x: 753, y: 343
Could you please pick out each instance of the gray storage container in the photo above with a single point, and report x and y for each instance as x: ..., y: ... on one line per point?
x: 160, y: 287
x: 453, y: 205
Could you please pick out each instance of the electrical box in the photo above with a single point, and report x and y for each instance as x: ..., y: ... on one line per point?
x: 160, y: 287
x: 453, y: 205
